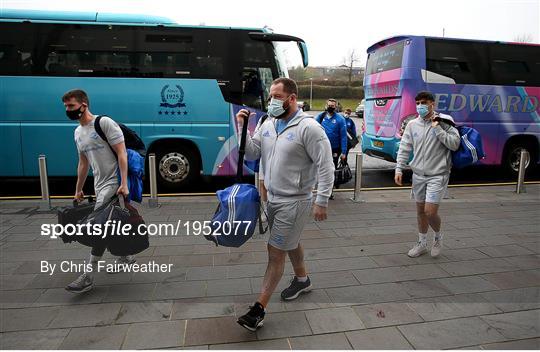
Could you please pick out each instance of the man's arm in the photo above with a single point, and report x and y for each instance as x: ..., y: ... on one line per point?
x: 253, y: 144
x: 121, y: 152
x: 405, y: 149
x: 115, y: 137
x: 82, y: 173
x: 353, y: 129
x: 343, y: 136
x: 447, y: 135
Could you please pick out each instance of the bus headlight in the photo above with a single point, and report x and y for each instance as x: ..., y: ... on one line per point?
x: 404, y: 124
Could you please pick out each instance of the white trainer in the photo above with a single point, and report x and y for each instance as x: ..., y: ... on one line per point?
x: 418, y: 250
x: 436, y: 248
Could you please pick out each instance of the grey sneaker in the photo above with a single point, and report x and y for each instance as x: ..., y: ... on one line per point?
x: 436, y: 248
x: 295, y: 289
x: 418, y: 250
x: 122, y: 260
x: 83, y: 283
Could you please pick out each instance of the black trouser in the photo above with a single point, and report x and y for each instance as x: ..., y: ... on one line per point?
x: 335, y: 159
x: 98, y: 250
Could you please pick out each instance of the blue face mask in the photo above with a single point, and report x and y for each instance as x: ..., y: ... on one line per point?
x: 276, y: 109
x: 422, y: 110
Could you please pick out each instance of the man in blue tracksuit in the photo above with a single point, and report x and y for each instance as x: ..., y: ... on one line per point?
x: 335, y: 128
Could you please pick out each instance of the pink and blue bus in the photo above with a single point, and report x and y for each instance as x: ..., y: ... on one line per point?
x: 179, y: 87
x: 491, y: 86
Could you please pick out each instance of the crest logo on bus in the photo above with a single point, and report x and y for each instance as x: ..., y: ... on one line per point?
x: 172, y: 101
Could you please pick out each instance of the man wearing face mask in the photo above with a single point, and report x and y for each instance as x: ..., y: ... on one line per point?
x: 335, y: 127
x: 431, y: 140
x: 295, y: 153
x: 95, y: 153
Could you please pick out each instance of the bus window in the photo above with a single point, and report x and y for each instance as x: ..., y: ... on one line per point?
x: 464, y: 62
x: 514, y: 66
x: 385, y: 59
x: 16, y: 51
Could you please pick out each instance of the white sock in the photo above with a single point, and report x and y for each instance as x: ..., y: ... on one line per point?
x: 422, y: 238
x: 93, y: 264
x: 438, y: 236
x: 301, y: 278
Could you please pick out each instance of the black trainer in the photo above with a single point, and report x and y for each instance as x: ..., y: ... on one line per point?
x: 253, y: 319
x: 295, y: 289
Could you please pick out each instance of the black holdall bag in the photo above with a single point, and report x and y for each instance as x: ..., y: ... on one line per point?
x: 342, y: 174
x: 119, y: 213
x: 137, y: 239
x: 73, y: 215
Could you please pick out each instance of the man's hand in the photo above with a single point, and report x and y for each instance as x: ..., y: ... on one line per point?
x: 343, y: 157
x: 240, y: 116
x: 123, y: 190
x: 319, y: 213
x: 398, y: 179
x: 79, y: 196
x: 434, y: 123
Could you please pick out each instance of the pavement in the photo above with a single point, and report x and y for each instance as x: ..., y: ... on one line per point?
x: 483, y: 292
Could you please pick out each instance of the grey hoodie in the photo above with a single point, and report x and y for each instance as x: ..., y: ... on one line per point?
x: 294, y: 160
x: 431, y: 146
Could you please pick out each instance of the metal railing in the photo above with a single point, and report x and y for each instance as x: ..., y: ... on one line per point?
x: 520, y: 186
x: 45, y: 203
x: 357, y: 197
x: 153, y: 201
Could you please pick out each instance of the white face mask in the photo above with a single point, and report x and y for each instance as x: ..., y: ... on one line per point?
x: 276, y: 109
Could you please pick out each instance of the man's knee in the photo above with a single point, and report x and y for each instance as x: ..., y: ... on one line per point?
x: 420, y: 209
x: 276, y: 255
x: 431, y: 211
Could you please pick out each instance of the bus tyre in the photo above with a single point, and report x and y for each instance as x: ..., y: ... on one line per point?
x: 513, y: 155
x: 177, y: 168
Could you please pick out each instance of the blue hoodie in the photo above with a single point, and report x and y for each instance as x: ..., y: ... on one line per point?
x: 336, y: 130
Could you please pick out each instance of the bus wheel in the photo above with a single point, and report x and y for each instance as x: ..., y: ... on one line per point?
x: 176, y: 169
x: 513, y: 157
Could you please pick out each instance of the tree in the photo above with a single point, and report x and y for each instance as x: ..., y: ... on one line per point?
x: 523, y: 38
x: 297, y: 73
x: 349, y: 61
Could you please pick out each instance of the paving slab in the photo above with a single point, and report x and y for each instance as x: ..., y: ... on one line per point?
x: 95, y: 338
x: 323, y: 321
x: 155, y: 335
x: 516, y: 325
x: 146, y: 311
x: 288, y: 324
x: 378, y: 339
x: 215, y: 331
x: 33, y: 340
x: 387, y: 314
x: 450, y: 333
x: 321, y: 342
x: 450, y: 307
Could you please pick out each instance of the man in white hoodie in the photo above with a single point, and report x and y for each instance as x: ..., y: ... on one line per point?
x: 295, y: 154
x: 431, y: 137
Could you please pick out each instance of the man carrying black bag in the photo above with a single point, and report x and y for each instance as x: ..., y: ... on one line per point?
x: 95, y: 153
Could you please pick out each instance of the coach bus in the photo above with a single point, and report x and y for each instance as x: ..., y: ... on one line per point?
x: 179, y: 87
x: 491, y: 86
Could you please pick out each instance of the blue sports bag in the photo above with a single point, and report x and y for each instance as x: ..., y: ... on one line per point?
x: 470, y: 148
x: 235, y: 219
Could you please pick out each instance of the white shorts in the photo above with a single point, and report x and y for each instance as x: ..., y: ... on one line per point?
x: 429, y: 189
x: 286, y: 222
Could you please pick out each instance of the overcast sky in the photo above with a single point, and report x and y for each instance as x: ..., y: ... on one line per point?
x: 333, y: 28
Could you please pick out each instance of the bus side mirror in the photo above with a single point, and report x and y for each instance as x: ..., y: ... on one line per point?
x: 303, y: 50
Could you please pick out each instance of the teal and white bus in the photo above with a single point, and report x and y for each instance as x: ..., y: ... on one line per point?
x: 178, y: 87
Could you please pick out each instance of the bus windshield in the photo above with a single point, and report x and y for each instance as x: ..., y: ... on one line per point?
x: 385, y: 58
